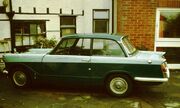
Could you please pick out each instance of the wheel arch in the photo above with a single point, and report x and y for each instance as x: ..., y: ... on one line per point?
x: 123, y: 74
x: 117, y: 72
x: 21, y: 66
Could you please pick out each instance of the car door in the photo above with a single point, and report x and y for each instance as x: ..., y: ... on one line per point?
x: 107, y: 56
x: 69, y: 62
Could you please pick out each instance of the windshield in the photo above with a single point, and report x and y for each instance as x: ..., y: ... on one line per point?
x: 128, y: 46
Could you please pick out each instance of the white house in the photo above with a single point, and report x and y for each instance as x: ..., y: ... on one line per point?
x: 24, y: 21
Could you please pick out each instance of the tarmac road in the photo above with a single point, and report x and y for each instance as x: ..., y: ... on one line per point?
x: 163, y: 96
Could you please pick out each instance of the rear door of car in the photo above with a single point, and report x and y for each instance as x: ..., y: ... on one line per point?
x: 69, y: 62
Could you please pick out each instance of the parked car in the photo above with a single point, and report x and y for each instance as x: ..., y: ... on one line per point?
x: 89, y: 59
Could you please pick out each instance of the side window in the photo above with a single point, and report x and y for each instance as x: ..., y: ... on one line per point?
x: 65, y: 46
x: 81, y: 48
x: 107, y: 48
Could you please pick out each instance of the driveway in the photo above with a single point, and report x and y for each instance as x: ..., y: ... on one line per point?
x: 40, y: 96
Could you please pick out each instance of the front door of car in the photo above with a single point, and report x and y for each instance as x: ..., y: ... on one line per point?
x: 69, y: 62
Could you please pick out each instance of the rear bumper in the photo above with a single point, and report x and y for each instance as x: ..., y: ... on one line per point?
x: 166, y: 76
x: 145, y: 79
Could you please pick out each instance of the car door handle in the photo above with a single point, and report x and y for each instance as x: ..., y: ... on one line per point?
x: 85, y: 60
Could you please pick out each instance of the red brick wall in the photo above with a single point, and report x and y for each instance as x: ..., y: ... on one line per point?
x: 136, y: 18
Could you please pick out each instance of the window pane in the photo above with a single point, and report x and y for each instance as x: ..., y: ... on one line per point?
x: 26, y: 29
x: 64, y: 47
x: 82, y: 47
x: 41, y: 28
x: 18, y: 40
x: 101, y: 14
x: 26, y: 40
x: 129, y: 47
x: 67, y: 31
x: 86, y: 44
x: 169, y: 24
x: 107, y: 47
x: 33, y: 29
x: 68, y: 20
x: 2, y: 9
x: 100, y: 26
x: 18, y: 29
x: 32, y: 40
x: 172, y: 54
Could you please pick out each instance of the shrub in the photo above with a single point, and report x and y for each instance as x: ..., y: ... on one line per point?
x: 45, y: 43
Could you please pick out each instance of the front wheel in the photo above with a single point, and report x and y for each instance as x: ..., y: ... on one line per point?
x: 119, y: 85
x: 20, y: 78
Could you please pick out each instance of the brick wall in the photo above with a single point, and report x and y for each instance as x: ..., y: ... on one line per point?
x: 136, y: 18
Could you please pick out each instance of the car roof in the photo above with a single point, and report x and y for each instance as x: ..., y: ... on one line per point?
x: 98, y: 35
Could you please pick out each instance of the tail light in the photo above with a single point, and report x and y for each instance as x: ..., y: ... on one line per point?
x: 165, y: 70
x: 163, y: 67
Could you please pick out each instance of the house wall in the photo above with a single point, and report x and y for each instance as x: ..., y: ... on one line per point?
x: 37, y: 10
x: 141, y: 20
x: 136, y: 18
x: 83, y: 23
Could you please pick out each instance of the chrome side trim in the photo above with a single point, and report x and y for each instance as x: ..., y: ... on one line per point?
x: 151, y: 79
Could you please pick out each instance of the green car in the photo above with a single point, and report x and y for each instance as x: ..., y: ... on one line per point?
x: 89, y: 59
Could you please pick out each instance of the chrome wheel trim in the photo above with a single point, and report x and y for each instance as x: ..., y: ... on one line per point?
x: 118, y: 85
x: 19, y: 78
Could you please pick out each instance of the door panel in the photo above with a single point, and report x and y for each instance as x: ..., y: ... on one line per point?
x: 67, y: 68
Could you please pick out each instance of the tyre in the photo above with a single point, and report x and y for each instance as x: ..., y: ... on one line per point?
x: 20, y: 78
x: 119, y: 85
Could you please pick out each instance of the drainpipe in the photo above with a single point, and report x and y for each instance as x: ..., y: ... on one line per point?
x: 10, y: 15
x: 112, y: 16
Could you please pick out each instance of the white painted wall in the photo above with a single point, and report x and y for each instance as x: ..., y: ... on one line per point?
x: 4, y: 29
x: 83, y: 23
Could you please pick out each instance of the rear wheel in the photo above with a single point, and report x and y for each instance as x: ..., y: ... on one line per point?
x: 20, y: 78
x: 119, y: 85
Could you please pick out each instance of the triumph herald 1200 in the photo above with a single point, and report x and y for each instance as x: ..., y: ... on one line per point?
x: 104, y: 60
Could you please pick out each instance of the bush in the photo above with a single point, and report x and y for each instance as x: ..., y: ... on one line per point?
x: 45, y: 43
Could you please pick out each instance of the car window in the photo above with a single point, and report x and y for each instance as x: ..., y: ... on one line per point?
x: 81, y: 48
x: 107, y: 48
x: 64, y: 47
x: 128, y: 46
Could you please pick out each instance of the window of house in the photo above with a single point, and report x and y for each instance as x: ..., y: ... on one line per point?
x: 100, y: 21
x: 2, y: 9
x: 26, y: 33
x: 168, y: 34
x: 107, y: 48
x: 67, y: 25
x: 169, y: 24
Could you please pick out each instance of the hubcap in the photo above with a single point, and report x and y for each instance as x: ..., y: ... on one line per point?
x: 118, y: 85
x: 19, y: 78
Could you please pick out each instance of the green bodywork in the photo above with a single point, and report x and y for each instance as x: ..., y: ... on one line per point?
x: 87, y: 69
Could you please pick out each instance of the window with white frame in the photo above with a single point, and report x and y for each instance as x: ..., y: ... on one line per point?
x: 169, y: 23
x: 168, y: 35
x: 67, y: 25
x: 100, y: 21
